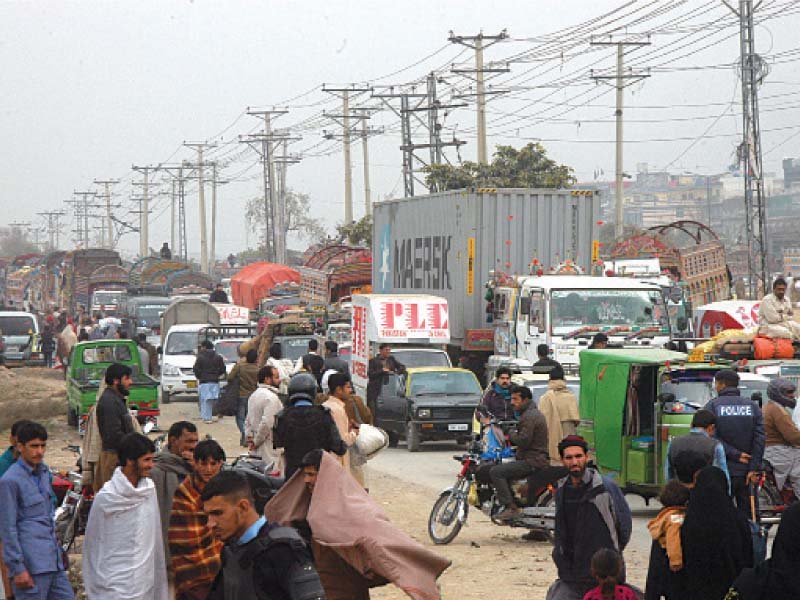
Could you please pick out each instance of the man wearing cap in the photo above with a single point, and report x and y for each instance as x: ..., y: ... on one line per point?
x: 599, y: 342
x: 776, y: 315
x: 591, y: 514
x: 740, y: 428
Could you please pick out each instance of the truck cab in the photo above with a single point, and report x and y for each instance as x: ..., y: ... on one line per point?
x: 427, y: 404
x: 86, y: 372
x: 142, y: 314
x: 566, y: 311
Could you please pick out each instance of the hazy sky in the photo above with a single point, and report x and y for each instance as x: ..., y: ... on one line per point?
x: 90, y: 88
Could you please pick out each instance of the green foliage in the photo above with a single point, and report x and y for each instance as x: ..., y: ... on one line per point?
x: 298, y: 219
x: 357, y: 233
x: 527, y: 167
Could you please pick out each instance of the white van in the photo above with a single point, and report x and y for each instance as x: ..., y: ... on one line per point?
x: 20, y: 332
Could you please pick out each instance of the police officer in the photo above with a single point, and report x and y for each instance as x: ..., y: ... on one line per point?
x: 259, y: 560
x: 740, y: 428
x: 302, y: 426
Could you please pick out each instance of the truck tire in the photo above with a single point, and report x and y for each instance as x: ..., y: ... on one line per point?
x: 72, y: 417
x: 165, y: 397
x: 412, y: 437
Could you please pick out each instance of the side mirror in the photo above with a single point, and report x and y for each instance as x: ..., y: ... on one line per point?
x: 160, y: 350
x: 525, y: 305
x: 757, y: 397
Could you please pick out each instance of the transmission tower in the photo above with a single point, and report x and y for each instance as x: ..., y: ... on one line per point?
x: 53, y: 227
x: 753, y: 71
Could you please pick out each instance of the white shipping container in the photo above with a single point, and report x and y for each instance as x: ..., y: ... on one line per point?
x: 447, y: 243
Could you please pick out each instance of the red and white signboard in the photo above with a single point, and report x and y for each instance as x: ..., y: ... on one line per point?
x: 230, y: 314
x: 395, y: 319
x: 712, y: 318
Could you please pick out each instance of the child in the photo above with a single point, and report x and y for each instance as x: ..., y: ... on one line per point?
x: 666, y: 527
x: 606, y: 568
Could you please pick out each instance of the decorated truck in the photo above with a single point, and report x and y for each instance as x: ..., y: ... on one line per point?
x: 78, y: 268
x: 107, y: 286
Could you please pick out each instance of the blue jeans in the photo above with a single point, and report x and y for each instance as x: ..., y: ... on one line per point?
x: 241, y: 415
x: 47, y: 586
x: 209, y: 393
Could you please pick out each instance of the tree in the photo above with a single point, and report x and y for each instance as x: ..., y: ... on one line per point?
x: 298, y: 220
x: 14, y: 242
x: 528, y: 167
x: 357, y: 233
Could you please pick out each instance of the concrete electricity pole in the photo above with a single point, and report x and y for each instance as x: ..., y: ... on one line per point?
x: 82, y: 216
x: 283, y: 162
x: 144, y: 210
x: 108, y: 240
x: 479, y: 43
x: 53, y: 227
x: 200, y: 148
x: 344, y: 119
x: 215, y: 182
x: 619, y: 78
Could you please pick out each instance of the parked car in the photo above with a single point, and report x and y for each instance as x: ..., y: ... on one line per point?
x: 20, y: 335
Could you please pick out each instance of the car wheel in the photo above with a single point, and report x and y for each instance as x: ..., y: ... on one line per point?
x: 165, y: 397
x: 72, y: 417
x: 412, y: 437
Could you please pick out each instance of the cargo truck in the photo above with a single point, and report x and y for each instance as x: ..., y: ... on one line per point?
x: 447, y: 244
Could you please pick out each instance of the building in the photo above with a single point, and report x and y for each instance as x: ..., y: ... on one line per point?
x: 791, y: 261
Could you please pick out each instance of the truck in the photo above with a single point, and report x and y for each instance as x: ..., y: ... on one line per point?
x: 107, y: 286
x: 416, y: 325
x: 333, y: 272
x: 78, y: 267
x: 566, y: 311
x: 447, y: 243
x: 181, y: 325
x: 87, y: 367
x: 142, y: 314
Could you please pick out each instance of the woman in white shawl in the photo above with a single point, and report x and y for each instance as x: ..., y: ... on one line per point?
x: 123, y: 556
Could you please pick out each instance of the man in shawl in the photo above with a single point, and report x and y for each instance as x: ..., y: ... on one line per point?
x: 776, y: 315
x: 355, y: 545
x: 560, y: 408
x: 195, y: 553
x: 123, y: 555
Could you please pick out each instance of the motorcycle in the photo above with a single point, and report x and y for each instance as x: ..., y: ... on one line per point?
x: 72, y: 513
x: 771, y: 500
x: 264, y: 480
x: 450, y: 511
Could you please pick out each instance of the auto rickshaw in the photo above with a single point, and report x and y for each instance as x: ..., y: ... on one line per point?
x: 632, y: 403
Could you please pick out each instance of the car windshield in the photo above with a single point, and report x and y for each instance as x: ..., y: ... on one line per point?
x: 182, y: 342
x: 106, y: 298
x: 446, y: 382
x: 229, y: 350
x: 16, y: 325
x: 573, y: 310
x: 421, y: 358
x: 294, y: 348
x: 538, y: 389
x: 696, y: 393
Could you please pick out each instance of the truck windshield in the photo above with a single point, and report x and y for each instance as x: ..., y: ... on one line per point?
x: 149, y: 314
x: 421, y: 358
x: 182, y: 342
x: 573, y: 310
x: 294, y: 348
x: 229, y: 350
x: 446, y: 382
x: 106, y: 298
x: 695, y: 393
x: 15, y: 325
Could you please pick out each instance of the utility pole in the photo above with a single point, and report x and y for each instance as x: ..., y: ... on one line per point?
x: 108, y: 240
x: 178, y: 243
x: 283, y: 162
x: 479, y: 43
x: 144, y: 210
x: 200, y: 147
x: 82, y: 216
x: 753, y: 71
x: 53, y: 227
x: 215, y: 182
x: 344, y: 119
x: 619, y: 78
x: 263, y: 144
x: 412, y: 103
x: 365, y: 152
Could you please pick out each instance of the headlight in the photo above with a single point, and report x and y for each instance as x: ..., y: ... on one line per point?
x: 424, y: 413
x: 171, y: 371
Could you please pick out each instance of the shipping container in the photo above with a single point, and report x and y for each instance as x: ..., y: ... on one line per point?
x: 447, y: 243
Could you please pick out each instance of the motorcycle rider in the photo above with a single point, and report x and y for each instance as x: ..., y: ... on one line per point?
x: 498, y: 398
x: 303, y: 426
x: 782, y: 435
x: 530, y: 438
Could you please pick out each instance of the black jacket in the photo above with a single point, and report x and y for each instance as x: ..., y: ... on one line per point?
x: 375, y: 374
x: 218, y: 296
x: 209, y: 367
x: 113, y: 418
x: 275, y: 566
x: 300, y: 429
x: 740, y: 428
x: 530, y: 438
x: 332, y: 361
